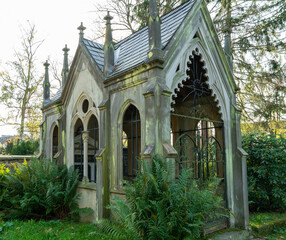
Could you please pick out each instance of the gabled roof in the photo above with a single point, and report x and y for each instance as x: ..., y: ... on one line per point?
x: 132, y: 51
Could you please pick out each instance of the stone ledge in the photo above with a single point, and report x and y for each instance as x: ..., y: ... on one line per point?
x: 231, y: 234
x: 268, y: 228
x: 90, y: 185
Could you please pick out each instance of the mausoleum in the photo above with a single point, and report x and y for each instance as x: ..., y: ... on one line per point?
x: 166, y: 89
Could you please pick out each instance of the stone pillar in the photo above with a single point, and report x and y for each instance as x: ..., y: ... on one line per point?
x: 62, y: 144
x: 102, y: 161
x: 85, y: 156
x: 239, y: 184
x: 99, y: 182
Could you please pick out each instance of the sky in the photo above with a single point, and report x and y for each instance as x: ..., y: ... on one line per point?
x: 56, y: 22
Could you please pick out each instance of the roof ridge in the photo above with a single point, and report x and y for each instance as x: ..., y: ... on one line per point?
x: 143, y: 28
x: 101, y: 45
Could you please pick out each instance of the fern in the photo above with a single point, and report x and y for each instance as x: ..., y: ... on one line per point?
x: 158, y: 206
x: 41, y: 190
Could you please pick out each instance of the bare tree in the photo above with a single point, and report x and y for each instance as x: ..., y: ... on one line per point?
x: 20, y: 83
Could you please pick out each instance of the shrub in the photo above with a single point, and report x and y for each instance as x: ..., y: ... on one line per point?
x: 40, y: 189
x: 3, y: 172
x: 158, y: 206
x: 266, y: 168
x: 25, y: 148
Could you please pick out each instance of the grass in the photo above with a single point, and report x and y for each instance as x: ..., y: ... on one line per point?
x: 41, y: 230
x: 68, y: 230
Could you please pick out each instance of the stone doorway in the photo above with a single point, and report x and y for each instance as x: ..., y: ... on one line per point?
x: 197, y: 132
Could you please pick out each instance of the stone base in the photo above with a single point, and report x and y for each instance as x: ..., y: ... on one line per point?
x: 232, y: 235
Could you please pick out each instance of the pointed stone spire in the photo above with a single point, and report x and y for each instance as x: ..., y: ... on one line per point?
x: 154, y: 30
x: 108, y: 46
x: 227, y: 35
x: 65, y: 70
x: 81, y: 29
x: 46, y: 84
x: 227, y: 50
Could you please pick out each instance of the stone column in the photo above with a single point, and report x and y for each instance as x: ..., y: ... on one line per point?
x: 239, y: 184
x: 85, y: 156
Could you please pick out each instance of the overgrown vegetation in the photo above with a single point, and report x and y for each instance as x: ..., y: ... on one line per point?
x: 159, y: 206
x: 39, y: 190
x: 266, y: 166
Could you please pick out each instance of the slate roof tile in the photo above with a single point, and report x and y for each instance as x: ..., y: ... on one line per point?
x: 54, y: 98
x: 133, y: 50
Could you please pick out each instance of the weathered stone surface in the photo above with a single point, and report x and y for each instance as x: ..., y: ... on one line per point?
x: 106, y: 89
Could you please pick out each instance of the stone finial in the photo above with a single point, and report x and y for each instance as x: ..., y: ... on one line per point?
x: 46, y: 84
x: 108, y: 46
x: 154, y: 30
x: 65, y: 70
x: 153, y: 9
x: 81, y: 29
x: 108, y: 35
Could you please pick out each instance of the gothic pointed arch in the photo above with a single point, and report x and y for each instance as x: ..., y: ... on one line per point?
x: 129, y: 136
x: 93, y: 146
x: 197, y: 48
x: 55, y: 140
x: 197, y: 127
x: 78, y: 146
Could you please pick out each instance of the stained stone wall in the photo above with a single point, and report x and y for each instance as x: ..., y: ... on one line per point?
x: 151, y: 87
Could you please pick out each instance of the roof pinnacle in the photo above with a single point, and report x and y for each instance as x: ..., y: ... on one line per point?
x: 46, y: 84
x: 81, y: 29
x: 108, y: 46
x: 108, y: 18
x: 154, y: 32
x: 65, y: 65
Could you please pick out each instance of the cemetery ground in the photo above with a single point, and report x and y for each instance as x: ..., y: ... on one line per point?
x: 267, y: 218
x: 60, y: 229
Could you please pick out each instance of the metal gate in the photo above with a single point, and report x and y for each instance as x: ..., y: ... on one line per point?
x: 200, y: 150
x: 198, y: 131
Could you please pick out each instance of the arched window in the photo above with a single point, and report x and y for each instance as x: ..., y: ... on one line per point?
x: 78, y: 148
x: 131, y: 139
x: 93, y: 145
x: 55, y: 141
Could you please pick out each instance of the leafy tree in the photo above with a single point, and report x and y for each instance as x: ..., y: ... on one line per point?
x: 256, y: 31
x: 21, y: 82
